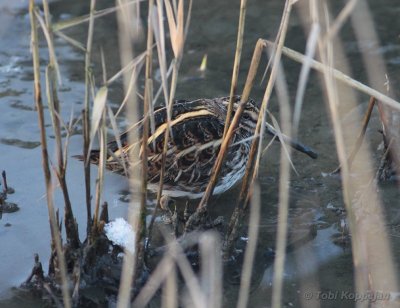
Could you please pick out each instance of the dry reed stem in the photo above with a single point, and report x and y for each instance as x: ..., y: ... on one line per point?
x: 276, y: 56
x: 284, y: 184
x: 71, y: 41
x: 148, y: 97
x: 377, y: 74
x: 256, y: 149
x: 373, y: 271
x: 211, y: 269
x: 86, y: 118
x: 71, y: 227
x: 48, y: 33
x: 130, y: 90
x: 76, y: 21
x: 202, y: 206
x: 176, y: 27
x: 100, y: 174
x: 304, y: 73
x: 159, y: 275
x: 254, y: 221
x: 126, y: 38
x: 159, y: 33
x: 361, y: 136
x: 170, y: 297
x: 372, y: 230
x: 298, y: 57
x: 55, y: 234
x: 236, y: 64
x: 192, y: 283
x: 174, y: 251
x: 98, y: 125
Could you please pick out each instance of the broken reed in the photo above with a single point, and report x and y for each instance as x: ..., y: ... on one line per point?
x: 55, y: 232
x: 52, y: 74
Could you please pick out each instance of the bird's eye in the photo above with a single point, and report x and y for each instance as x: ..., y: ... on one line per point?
x: 246, y: 116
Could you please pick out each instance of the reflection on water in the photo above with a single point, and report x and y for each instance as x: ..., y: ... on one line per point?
x: 318, y: 264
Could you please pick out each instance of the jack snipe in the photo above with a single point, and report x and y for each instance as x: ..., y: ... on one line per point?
x: 197, y: 128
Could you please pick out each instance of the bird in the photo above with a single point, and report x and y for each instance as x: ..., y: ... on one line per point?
x: 196, y: 133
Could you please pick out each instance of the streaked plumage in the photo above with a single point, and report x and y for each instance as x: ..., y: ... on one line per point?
x: 197, y: 128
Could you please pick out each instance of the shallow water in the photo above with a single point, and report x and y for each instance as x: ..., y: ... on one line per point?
x: 316, y: 200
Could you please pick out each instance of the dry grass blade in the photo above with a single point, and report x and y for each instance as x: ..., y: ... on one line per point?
x: 99, y: 106
x: 340, y: 20
x: 76, y: 21
x: 71, y: 41
x: 136, y: 62
x: 50, y: 44
x: 305, y: 70
x: 282, y: 141
x: 102, y: 162
x: 131, y: 87
x: 176, y: 27
x: 114, y: 126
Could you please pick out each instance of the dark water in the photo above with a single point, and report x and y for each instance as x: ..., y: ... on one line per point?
x: 318, y: 264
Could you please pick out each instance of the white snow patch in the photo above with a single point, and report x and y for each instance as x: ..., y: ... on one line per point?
x: 120, y: 232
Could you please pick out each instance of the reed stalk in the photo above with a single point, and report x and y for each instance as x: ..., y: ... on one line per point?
x: 55, y: 234
x: 71, y: 228
x: 211, y: 269
x: 255, y: 149
x: 284, y: 180
x: 236, y: 64
x: 202, y: 206
x: 178, y: 30
x: 361, y: 136
x: 126, y: 37
x: 378, y: 77
x: 254, y: 221
x: 337, y: 74
x: 148, y: 98
x: 102, y: 132
x: 52, y: 74
x: 86, y: 117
